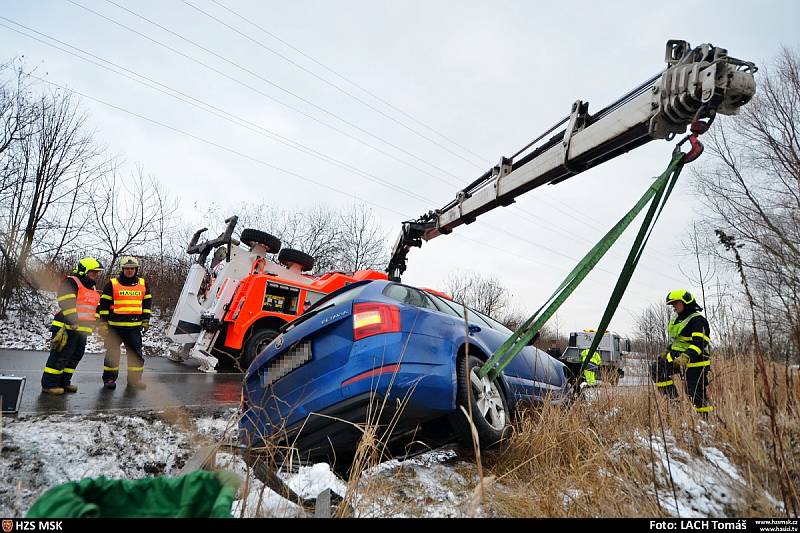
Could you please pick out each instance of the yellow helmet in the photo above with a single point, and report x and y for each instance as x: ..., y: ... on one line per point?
x: 680, y: 295
x: 85, y: 265
x: 129, y: 262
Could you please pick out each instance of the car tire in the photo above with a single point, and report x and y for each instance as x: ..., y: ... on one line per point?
x: 289, y: 255
x: 490, y: 413
x: 259, y: 340
x: 253, y: 236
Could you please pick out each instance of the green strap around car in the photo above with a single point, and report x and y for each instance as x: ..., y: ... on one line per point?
x: 657, y: 195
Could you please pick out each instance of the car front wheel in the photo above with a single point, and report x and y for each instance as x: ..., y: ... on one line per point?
x: 490, y: 413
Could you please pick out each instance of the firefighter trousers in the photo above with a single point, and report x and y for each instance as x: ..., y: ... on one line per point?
x: 131, y: 337
x: 695, y: 378
x: 60, y: 366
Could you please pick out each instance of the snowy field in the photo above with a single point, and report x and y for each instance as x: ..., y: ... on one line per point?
x: 29, y: 329
x: 38, y: 452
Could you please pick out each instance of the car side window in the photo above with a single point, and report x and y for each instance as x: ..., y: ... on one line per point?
x: 407, y: 295
x: 494, y: 323
x: 442, y: 306
x: 458, y: 310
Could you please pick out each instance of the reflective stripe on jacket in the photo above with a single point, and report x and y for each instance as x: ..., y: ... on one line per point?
x: 85, y: 310
x: 127, y: 299
x: 680, y: 343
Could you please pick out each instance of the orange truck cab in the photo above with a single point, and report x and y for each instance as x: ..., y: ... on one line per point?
x: 232, y: 309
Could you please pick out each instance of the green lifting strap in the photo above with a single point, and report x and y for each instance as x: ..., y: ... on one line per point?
x: 657, y: 195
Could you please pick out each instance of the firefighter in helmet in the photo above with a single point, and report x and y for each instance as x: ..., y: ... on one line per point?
x: 125, y: 311
x: 77, y: 316
x: 688, y: 352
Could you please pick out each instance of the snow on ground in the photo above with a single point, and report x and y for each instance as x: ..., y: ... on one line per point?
x: 433, y: 485
x: 27, y: 327
x: 39, y: 452
x: 706, y: 486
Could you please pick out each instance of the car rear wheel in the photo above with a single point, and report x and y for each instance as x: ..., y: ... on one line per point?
x: 259, y: 340
x: 490, y: 413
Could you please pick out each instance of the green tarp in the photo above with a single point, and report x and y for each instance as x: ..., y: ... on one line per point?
x: 196, y: 495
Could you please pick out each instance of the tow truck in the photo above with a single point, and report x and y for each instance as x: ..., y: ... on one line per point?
x: 698, y: 83
x: 234, y: 307
x: 612, y: 349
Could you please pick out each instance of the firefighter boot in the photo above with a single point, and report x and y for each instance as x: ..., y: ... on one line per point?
x: 56, y: 391
x: 69, y: 387
x: 110, y: 384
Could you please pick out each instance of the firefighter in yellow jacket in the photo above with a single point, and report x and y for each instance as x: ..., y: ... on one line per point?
x: 688, y: 352
x: 77, y: 316
x: 125, y: 309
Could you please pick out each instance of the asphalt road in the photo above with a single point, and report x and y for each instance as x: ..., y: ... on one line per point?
x: 169, y: 385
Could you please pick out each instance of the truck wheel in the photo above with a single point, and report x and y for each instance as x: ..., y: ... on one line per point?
x: 252, y: 236
x: 490, y: 413
x: 289, y: 255
x: 255, y: 345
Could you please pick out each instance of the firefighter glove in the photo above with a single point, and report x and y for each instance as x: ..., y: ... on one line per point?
x: 682, y: 360
x: 102, y: 329
x: 59, y: 340
x: 145, y: 326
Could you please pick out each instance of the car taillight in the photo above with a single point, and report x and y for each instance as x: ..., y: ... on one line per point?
x: 374, y: 318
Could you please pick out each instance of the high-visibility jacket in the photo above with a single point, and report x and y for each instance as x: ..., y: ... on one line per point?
x: 125, y: 302
x: 78, y: 305
x: 594, y: 364
x: 689, y: 334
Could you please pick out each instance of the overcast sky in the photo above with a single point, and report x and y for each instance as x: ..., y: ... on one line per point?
x: 474, y: 81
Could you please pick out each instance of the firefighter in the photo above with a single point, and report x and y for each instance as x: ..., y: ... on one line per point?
x: 125, y: 311
x: 77, y: 300
x: 589, y: 376
x: 688, y: 352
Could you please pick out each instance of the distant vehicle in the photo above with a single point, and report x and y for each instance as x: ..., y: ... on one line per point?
x: 233, y: 308
x: 612, y: 349
x: 392, y: 354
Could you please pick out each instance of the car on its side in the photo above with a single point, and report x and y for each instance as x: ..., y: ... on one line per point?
x: 403, y: 359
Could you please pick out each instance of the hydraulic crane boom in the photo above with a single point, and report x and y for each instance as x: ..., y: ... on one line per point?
x: 697, y: 83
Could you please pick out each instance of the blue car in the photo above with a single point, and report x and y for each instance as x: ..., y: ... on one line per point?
x: 392, y: 355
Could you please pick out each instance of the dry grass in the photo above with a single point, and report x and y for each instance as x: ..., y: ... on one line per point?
x: 613, y: 456
x: 594, y: 459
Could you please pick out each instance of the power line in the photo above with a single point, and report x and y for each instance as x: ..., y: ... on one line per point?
x: 351, y: 82
x: 238, y: 121
x: 328, y: 158
x: 248, y: 157
x: 330, y: 83
x: 522, y: 211
x: 271, y: 83
x: 188, y: 99
x: 592, y: 224
x: 265, y: 80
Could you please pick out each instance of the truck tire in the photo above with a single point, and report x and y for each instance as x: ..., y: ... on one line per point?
x: 490, y: 413
x: 250, y: 236
x: 258, y: 340
x: 289, y: 255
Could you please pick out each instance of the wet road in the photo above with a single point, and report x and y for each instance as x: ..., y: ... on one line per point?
x: 169, y: 385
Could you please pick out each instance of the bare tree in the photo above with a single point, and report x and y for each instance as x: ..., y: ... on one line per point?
x: 484, y: 294
x: 650, y: 336
x: 362, y: 242
x: 129, y: 213
x: 752, y: 191
x: 50, y: 163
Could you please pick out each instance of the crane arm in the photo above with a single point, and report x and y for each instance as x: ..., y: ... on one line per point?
x: 697, y: 83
